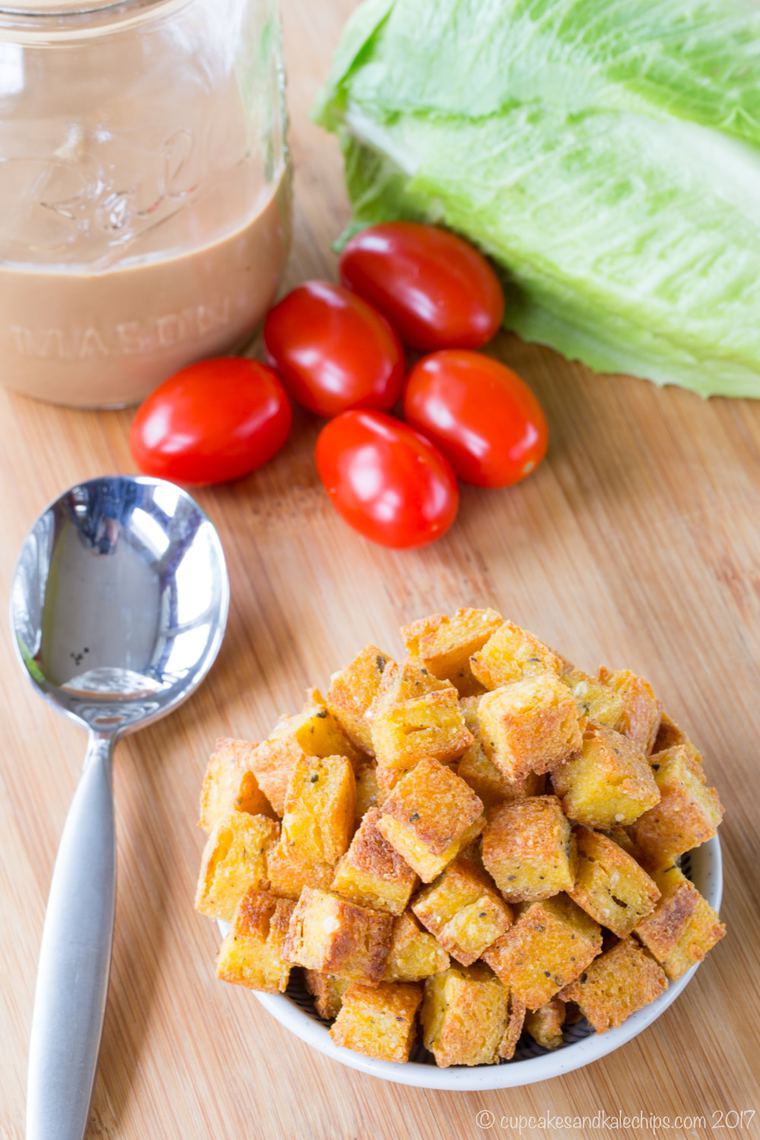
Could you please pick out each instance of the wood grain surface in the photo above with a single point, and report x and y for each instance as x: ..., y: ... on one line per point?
x: 635, y: 544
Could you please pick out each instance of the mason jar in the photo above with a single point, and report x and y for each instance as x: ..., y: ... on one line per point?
x: 144, y: 190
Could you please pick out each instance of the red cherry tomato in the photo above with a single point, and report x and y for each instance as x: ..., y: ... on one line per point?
x: 333, y: 351
x: 387, y: 481
x: 480, y: 414
x: 211, y: 422
x: 434, y: 287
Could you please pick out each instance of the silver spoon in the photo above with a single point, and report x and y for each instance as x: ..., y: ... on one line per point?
x: 118, y: 608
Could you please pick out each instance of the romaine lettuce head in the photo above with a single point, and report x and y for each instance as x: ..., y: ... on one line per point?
x: 605, y: 153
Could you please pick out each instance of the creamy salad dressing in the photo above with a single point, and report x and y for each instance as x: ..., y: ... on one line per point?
x: 144, y: 193
x: 106, y: 338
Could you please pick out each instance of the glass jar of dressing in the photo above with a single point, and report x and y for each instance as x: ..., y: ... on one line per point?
x: 144, y: 190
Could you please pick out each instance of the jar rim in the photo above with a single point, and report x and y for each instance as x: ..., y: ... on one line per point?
x: 41, y: 9
x: 64, y: 7
x: 28, y: 21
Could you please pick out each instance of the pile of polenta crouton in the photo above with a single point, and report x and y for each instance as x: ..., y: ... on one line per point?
x: 481, y: 834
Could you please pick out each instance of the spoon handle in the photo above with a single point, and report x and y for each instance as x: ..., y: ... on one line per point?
x: 72, y: 976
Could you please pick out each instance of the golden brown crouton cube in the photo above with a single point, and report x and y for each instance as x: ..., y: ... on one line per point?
x: 510, y: 654
x: 379, y: 1021
x: 641, y: 708
x: 669, y: 734
x: 465, y: 1017
x: 352, y: 690
x: 545, y: 1024
x: 527, y: 849
x: 313, y: 732
x: 593, y: 700
x: 463, y: 911
x: 404, y: 682
x: 289, y: 871
x: 688, y: 813
x: 316, y: 826
x: 516, y: 1014
x: 616, y: 984
x: 252, y: 952
x: 622, y: 836
x: 529, y: 726
x: 230, y: 785
x: 327, y: 991
x: 429, y: 817
x: 233, y: 862
x: 486, y: 780
x: 608, y: 783
x: 334, y: 936
x: 387, y: 778
x: 372, y: 872
x: 446, y: 644
x: 428, y: 726
x: 548, y: 945
x: 683, y: 927
x: 489, y: 782
x: 319, y: 808
x: 610, y: 885
x: 365, y: 775
x: 414, y: 954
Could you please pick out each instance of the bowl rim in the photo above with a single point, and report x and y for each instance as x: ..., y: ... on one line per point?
x: 707, y: 869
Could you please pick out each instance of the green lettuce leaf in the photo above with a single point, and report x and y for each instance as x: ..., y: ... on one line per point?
x: 606, y: 155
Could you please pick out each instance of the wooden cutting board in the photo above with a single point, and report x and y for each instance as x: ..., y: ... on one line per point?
x: 635, y: 544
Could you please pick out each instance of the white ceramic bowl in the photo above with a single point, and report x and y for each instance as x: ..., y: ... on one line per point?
x: 532, y: 1063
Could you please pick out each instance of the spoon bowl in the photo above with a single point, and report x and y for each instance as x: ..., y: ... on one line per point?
x: 119, y: 601
x: 118, y: 608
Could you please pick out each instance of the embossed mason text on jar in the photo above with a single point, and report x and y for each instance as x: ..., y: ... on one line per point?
x: 144, y: 190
